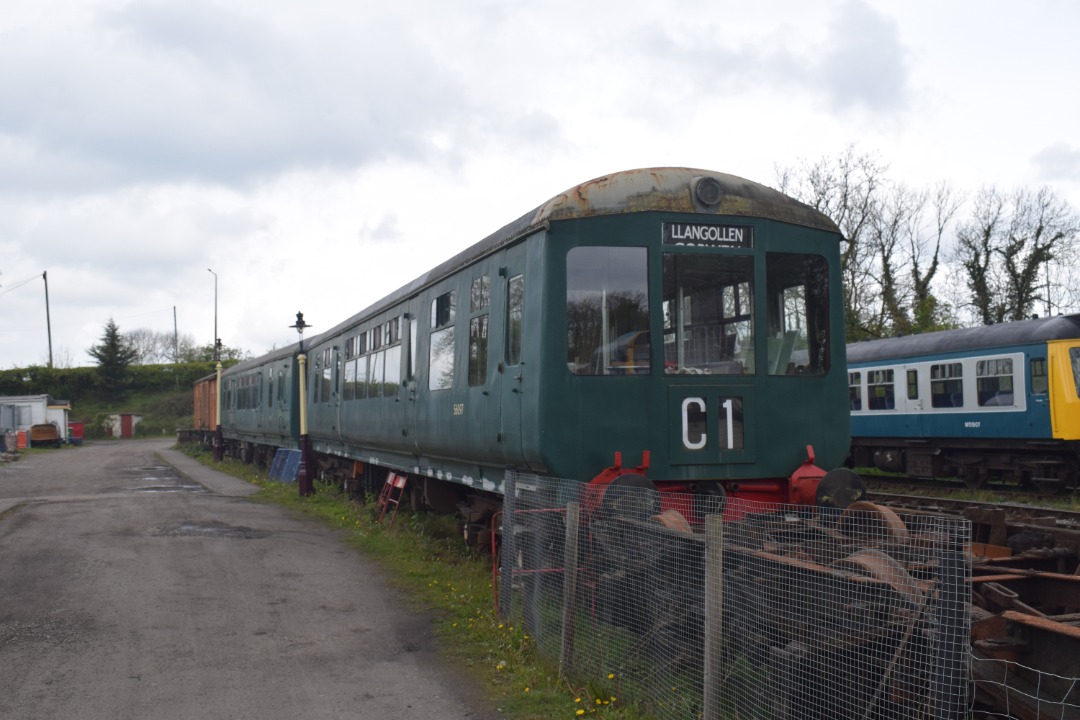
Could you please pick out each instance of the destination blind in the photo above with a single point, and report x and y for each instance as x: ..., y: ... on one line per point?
x: 707, y: 235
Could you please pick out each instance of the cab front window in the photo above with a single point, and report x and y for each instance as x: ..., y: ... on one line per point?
x: 798, y: 314
x: 607, y: 311
x: 708, y: 314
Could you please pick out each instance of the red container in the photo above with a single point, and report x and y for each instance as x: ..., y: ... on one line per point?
x: 75, y: 432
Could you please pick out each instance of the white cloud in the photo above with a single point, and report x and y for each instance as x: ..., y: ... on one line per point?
x: 1059, y: 161
x: 319, y: 156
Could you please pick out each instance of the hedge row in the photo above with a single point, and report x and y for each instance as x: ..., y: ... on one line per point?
x: 86, y: 384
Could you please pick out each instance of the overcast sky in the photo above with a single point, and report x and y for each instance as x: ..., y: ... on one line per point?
x: 319, y: 154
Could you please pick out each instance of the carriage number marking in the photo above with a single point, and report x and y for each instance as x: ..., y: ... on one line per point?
x: 459, y: 408
x: 729, y: 411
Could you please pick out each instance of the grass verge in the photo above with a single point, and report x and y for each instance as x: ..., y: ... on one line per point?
x: 424, y: 556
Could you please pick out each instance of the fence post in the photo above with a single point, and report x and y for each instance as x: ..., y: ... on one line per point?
x: 509, y: 552
x: 570, y: 573
x: 714, y: 613
x: 953, y: 632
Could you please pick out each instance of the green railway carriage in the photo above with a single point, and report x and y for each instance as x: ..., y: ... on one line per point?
x: 689, y: 320
x: 259, y: 405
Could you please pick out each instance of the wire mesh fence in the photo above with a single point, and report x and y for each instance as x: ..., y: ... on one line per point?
x: 1006, y: 690
x: 684, y: 606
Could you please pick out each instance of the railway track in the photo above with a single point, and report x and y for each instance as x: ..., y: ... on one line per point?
x: 1013, y: 512
x: 957, y: 484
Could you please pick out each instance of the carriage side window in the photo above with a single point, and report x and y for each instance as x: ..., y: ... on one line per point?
x: 515, y: 294
x: 994, y: 382
x: 412, y: 348
x: 479, y: 300
x: 708, y: 314
x: 441, y: 350
x: 362, y: 377
x: 327, y: 376
x: 348, y: 391
x: 478, y: 350
x: 913, y: 384
x: 880, y: 391
x: 798, y: 312
x: 1039, y: 381
x: 607, y: 311
x: 375, y: 380
x: 392, y: 370
x: 855, y: 390
x: 348, y: 383
x: 947, y: 385
x: 480, y: 295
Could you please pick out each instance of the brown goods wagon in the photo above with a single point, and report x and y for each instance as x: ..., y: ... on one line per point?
x: 206, y: 403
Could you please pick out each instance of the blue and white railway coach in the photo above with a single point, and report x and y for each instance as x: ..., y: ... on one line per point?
x: 998, y: 402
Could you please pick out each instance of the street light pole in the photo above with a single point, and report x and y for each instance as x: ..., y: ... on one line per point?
x: 217, y: 352
x: 303, y: 480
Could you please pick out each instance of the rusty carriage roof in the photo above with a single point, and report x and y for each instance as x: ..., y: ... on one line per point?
x: 669, y: 189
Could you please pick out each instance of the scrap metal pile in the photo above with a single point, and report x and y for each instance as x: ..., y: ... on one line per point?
x: 1026, y: 615
x: 788, y: 613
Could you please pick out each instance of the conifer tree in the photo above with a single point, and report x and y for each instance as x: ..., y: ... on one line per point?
x: 114, y: 355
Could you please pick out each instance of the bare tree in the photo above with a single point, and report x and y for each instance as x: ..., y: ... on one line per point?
x: 928, y: 312
x: 893, y: 238
x: 1013, y: 251
x: 846, y: 188
x: 155, y: 348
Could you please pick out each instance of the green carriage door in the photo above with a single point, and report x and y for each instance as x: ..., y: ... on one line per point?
x: 510, y: 382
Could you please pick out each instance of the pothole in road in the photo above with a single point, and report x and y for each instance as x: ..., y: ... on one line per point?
x: 191, y: 528
x: 160, y: 479
x: 171, y: 488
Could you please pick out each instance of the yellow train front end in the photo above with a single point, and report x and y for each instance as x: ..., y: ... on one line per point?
x: 1064, y: 375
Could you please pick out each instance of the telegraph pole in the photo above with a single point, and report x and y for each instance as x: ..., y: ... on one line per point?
x: 48, y: 320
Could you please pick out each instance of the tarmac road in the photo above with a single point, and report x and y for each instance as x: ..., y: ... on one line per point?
x: 138, y: 584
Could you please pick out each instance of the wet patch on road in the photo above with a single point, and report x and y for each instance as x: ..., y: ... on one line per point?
x: 159, y: 479
x: 192, y: 528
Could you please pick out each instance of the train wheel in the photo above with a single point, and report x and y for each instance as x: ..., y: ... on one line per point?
x: 630, y: 496
x: 974, y: 478
x: 839, y: 488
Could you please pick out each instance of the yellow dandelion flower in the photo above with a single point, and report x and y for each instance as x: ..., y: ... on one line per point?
x: 580, y: 711
x: 611, y: 676
x: 612, y: 698
x: 526, y: 689
x: 597, y: 701
x: 577, y: 700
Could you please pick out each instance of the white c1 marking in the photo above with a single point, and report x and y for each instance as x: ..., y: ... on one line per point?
x: 686, y: 423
